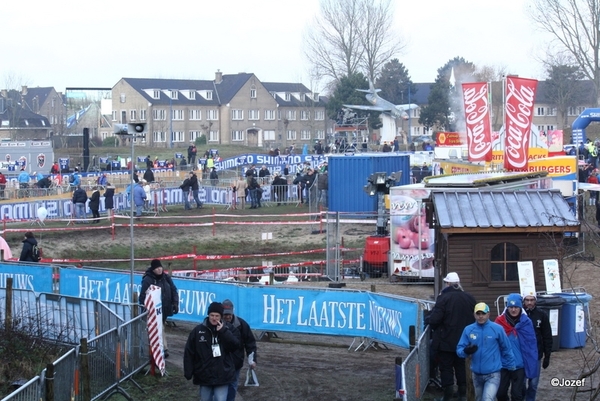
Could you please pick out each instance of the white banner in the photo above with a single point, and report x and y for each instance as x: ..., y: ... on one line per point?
x: 526, y: 278
x: 552, y: 274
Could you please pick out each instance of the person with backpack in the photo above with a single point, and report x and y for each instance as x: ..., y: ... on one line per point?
x: 30, y: 251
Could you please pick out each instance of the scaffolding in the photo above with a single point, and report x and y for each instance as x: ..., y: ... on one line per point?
x: 350, y: 132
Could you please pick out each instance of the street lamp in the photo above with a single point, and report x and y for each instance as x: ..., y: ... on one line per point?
x: 131, y: 131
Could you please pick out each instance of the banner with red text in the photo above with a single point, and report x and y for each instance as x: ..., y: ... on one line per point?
x: 519, y: 101
x: 477, y: 119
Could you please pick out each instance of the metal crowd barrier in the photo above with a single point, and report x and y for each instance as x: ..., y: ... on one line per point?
x: 415, y: 369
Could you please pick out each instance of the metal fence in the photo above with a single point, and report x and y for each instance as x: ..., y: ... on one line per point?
x: 415, y: 369
x: 91, y: 369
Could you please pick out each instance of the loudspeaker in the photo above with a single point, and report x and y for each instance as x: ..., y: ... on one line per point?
x: 86, y: 148
x: 120, y: 129
x: 136, y: 128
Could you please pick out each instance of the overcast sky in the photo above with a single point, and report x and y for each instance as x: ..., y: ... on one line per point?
x: 67, y: 43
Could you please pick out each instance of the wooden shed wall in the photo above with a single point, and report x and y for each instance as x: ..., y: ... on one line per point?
x: 469, y: 256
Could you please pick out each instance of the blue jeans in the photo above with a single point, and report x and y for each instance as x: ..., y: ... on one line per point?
x: 253, y: 197
x: 80, y: 211
x: 138, y: 210
x: 233, y: 386
x: 218, y: 392
x: 186, y: 200
x: 196, y: 199
x: 486, y: 386
x: 531, y: 385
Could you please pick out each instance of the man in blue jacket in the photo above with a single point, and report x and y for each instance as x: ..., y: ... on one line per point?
x: 139, y: 198
x: 521, y: 336
x: 490, y: 351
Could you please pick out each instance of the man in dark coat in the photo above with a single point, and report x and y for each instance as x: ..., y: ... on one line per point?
x: 29, y: 242
x: 169, y: 296
x: 149, y: 175
x: 109, y: 195
x: 449, y: 317
x: 280, y: 187
x: 195, y: 186
x: 208, y: 355
x: 543, y: 336
x: 95, y: 205
x: 247, y: 345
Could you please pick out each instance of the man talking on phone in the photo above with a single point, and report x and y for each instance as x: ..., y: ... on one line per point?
x: 208, y: 355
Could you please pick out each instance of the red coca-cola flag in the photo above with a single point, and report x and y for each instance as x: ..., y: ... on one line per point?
x: 520, y: 97
x: 477, y: 118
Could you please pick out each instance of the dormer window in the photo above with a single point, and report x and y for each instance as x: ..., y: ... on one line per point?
x: 174, y: 94
x: 316, y: 97
x: 192, y: 95
x: 287, y: 96
x: 209, y: 95
x: 302, y: 97
x: 156, y: 94
x: 274, y: 95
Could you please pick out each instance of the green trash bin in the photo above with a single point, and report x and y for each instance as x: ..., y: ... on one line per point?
x: 552, y: 305
x: 573, y: 322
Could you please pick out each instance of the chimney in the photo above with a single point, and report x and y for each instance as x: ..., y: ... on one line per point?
x: 4, y: 93
x: 218, y: 77
x: 23, y: 90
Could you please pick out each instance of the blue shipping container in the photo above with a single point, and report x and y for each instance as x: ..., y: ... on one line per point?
x: 349, y: 174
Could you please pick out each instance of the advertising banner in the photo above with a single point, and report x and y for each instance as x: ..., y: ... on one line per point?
x: 519, y: 101
x: 477, y: 120
x: 412, y: 240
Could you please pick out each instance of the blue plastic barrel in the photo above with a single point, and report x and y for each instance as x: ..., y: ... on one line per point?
x: 573, y: 323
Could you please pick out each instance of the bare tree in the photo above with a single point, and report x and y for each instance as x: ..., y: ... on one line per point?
x: 351, y: 36
x: 575, y: 28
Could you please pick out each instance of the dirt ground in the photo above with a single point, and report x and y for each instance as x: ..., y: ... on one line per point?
x: 306, y: 367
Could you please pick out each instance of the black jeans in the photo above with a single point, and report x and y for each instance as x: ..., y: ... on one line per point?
x: 451, y: 365
x: 515, y: 379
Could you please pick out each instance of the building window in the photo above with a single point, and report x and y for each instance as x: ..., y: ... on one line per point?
x: 237, y: 114
x: 114, y: 115
x: 551, y: 111
x: 195, y: 114
x: 291, y: 135
x: 253, y: 93
x: 178, y: 136
x: 194, y: 135
x: 278, y: 114
x: 269, y: 135
x: 208, y: 95
x: 504, y: 258
x: 539, y: 111
x: 304, y: 115
x: 291, y: 115
x: 253, y: 115
x: 159, y: 114
x: 122, y: 98
x: 237, y: 136
x: 156, y: 94
x: 174, y: 94
x: 192, y: 95
x: 270, y: 115
x: 143, y: 115
x: 212, y: 115
x: 177, y: 115
x: 305, y: 134
x: 158, y: 136
x: 213, y: 136
x: 274, y: 94
x: 319, y: 115
x: 320, y: 134
x: 132, y: 115
x: 287, y: 97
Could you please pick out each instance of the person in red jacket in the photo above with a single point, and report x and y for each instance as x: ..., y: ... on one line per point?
x: 2, y: 185
x: 593, y: 179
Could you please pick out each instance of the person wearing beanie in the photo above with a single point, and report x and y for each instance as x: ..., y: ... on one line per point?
x: 448, y: 318
x: 247, y: 345
x: 28, y: 251
x: 490, y: 351
x: 521, y: 336
x: 543, y: 335
x: 208, y: 355
x: 155, y: 275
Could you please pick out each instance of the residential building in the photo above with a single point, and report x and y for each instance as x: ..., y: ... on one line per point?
x: 18, y: 122
x: 231, y: 109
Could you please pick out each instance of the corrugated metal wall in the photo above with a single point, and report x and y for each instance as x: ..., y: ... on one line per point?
x: 348, y: 175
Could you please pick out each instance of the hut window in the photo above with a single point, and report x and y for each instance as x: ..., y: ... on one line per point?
x: 504, y: 260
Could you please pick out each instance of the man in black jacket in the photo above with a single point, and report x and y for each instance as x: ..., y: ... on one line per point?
x: 543, y: 335
x: 195, y: 188
x: 247, y: 344
x: 208, y: 355
x: 450, y: 315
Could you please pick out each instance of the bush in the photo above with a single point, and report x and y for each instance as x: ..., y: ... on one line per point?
x: 111, y: 141
x: 201, y: 140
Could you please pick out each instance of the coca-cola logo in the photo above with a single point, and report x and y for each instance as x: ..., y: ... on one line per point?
x: 477, y: 121
x: 520, y: 95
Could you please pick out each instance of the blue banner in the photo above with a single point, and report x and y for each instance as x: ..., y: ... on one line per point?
x: 27, y: 277
x: 269, y: 308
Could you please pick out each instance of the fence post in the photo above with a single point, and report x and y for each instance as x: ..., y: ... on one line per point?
x: 9, y: 303
x: 85, y: 370
x: 49, y: 382
x: 412, y: 337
